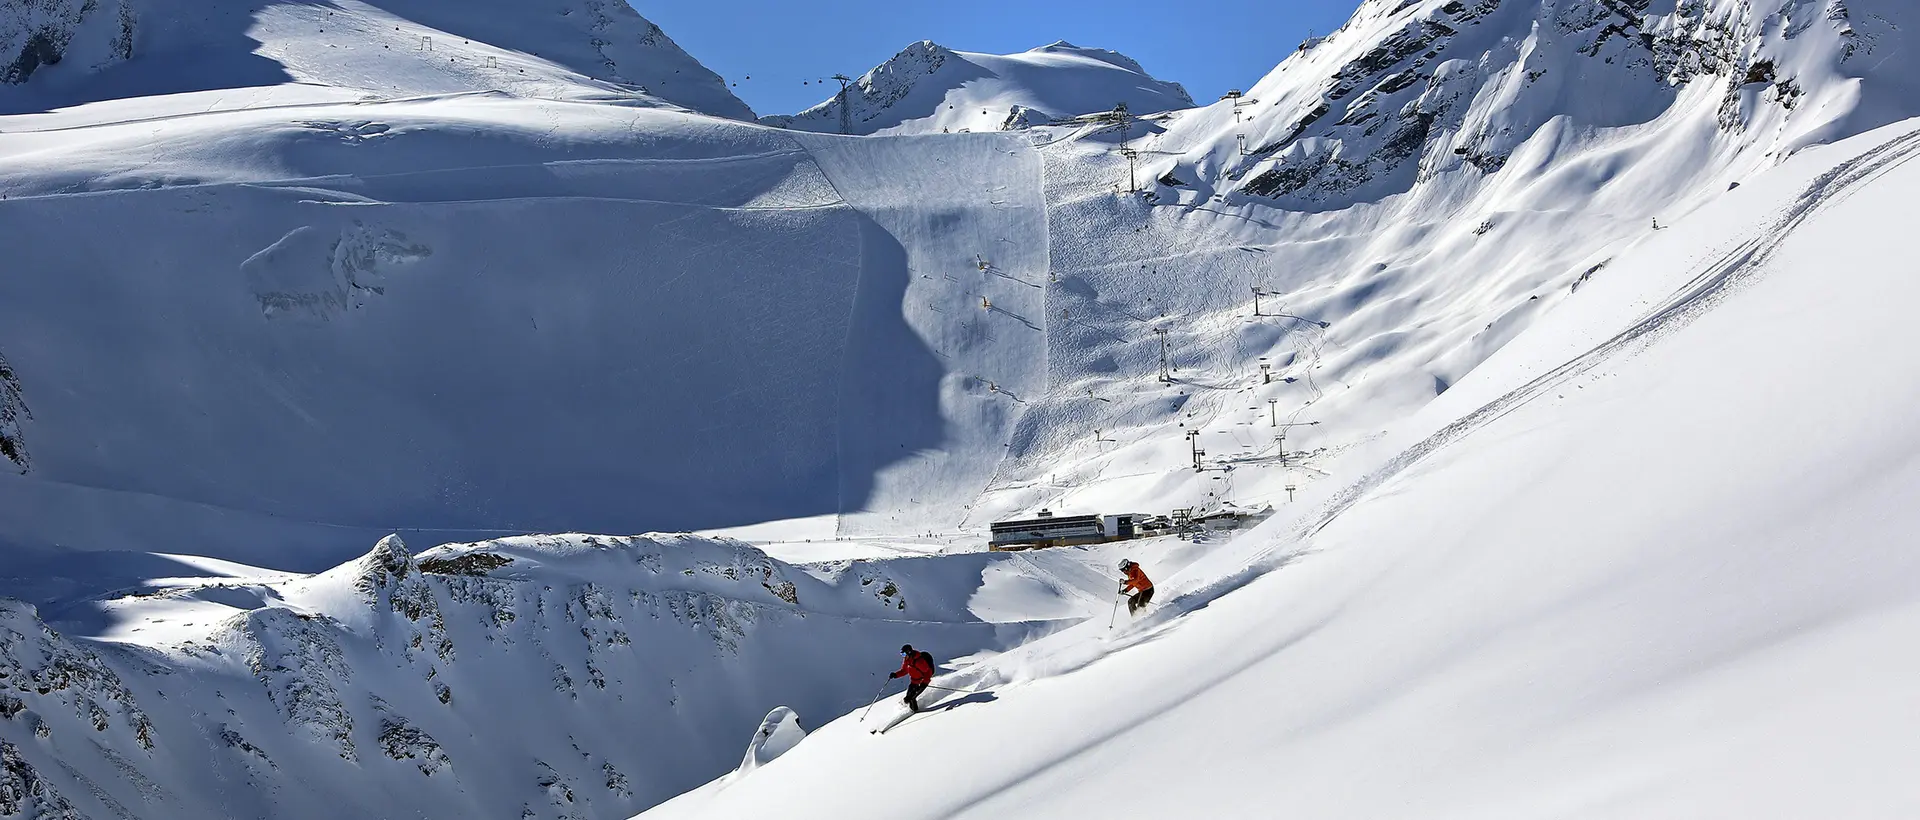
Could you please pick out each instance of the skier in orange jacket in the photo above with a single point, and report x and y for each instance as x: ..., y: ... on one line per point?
x: 1136, y: 581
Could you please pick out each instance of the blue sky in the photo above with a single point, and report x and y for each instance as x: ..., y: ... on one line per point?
x: 768, y: 47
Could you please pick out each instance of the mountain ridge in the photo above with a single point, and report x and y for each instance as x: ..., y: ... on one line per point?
x: 928, y: 88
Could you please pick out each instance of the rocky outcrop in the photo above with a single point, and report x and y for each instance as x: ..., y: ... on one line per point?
x: 39, y: 33
x: 24, y: 793
x: 350, y: 679
x: 1465, y: 83
x: 394, y: 586
x: 13, y: 411
x: 48, y: 682
x: 299, y: 660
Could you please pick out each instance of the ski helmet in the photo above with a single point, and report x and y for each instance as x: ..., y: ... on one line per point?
x: 906, y: 649
x: 1124, y: 563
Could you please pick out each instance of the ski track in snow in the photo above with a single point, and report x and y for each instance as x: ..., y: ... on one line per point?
x: 1716, y: 282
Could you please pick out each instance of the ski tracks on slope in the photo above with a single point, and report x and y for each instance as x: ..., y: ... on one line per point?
x: 1719, y: 279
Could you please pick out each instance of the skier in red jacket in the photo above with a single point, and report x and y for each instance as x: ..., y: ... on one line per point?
x: 917, y: 666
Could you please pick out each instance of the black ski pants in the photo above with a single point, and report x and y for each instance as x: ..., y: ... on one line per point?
x: 913, y: 695
x: 1139, y: 600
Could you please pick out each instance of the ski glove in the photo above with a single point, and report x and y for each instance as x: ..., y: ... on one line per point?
x: 892, y: 676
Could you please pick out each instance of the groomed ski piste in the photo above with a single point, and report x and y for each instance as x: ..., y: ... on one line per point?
x: 1583, y: 324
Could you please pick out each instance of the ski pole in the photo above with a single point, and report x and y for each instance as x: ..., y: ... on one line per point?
x: 1116, y: 609
x: 950, y: 689
x: 876, y: 699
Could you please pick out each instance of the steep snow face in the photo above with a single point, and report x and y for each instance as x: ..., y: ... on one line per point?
x: 541, y: 677
x: 1407, y: 92
x: 323, y: 320
x: 382, y: 48
x: 1587, y: 582
x: 727, y: 337
x: 908, y: 333
x: 1414, y: 192
x: 929, y: 88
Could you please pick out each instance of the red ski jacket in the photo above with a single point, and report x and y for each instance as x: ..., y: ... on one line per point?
x: 916, y: 668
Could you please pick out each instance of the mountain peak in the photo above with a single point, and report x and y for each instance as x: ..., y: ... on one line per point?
x: 929, y: 88
x: 73, y: 52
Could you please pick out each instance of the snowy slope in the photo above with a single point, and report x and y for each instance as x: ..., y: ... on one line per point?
x: 1586, y: 583
x: 559, y: 676
x: 400, y: 300
x: 929, y: 88
x: 1420, y: 266
x: 446, y: 276
x: 383, y: 48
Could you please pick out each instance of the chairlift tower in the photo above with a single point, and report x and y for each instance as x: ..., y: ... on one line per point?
x: 1281, y: 439
x: 846, y: 109
x: 1121, y: 119
x: 1165, y: 377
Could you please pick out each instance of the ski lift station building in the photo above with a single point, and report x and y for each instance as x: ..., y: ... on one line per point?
x: 1049, y: 530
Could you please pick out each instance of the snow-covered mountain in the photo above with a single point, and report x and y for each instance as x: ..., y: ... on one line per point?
x: 1515, y: 276
x: 549, y: 676
x: 929, y: 88
x: 1586, y: 582
x: 63, y: 52
x: 1406, y: 92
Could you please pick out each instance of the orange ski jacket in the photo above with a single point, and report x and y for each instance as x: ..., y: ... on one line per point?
x: 1137, y: 579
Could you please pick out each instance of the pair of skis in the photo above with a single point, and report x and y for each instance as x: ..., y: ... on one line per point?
x: 895, y: 722
x: 910, y: 713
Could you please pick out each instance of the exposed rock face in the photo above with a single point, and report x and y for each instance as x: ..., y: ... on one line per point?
x: 349, y: 682
x: 298, y: 660
x: 24, y: 793
x: 46, y: 677
x: 39, y: 33
x: 13, y: 411
x: 1466, y: 82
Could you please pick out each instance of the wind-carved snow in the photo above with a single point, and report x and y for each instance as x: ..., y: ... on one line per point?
x: 929, y: 88
x: 777, y: 735
x: 309, y: 273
